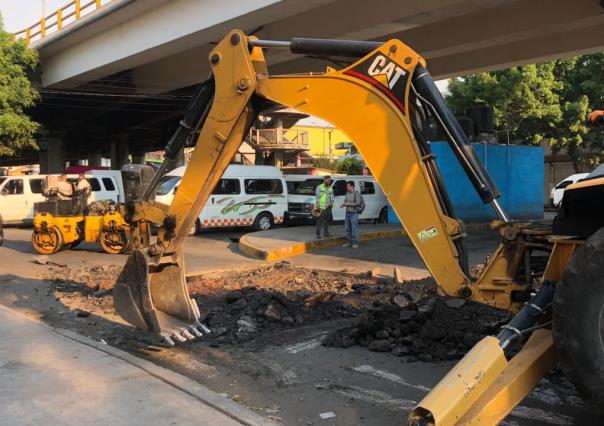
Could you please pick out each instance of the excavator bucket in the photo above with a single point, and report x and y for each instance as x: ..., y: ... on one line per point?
x: 153, y: 296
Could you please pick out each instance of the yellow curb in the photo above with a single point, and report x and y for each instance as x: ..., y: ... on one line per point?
x: 297, y: 249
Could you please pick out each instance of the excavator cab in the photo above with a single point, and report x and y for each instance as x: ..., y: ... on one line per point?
x: 388, y: 85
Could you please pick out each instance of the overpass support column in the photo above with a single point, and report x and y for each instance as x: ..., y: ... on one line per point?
x: 120, y: 151
x: 138, y: 157
x: 51, y: 156
x: 95, y: 160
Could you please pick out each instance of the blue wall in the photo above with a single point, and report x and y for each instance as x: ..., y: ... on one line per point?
x: 517, y: 171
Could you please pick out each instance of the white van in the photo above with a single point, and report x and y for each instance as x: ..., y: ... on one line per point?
x: 19, y: 193
x: 245, y: 196
x: 302, y: 199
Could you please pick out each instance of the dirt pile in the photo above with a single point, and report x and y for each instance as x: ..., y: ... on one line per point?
x: 94, y: 277
x: 433, y: 329
x: 254, y: 307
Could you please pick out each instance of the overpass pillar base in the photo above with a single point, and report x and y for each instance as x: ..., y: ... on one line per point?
x: 51, y: 156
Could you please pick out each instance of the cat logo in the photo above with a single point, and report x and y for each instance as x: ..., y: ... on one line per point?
x: 385, y: 75
x: 385, y: 71
x: 427, y: 234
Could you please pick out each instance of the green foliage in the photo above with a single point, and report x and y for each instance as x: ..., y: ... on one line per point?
x: 323, y: 163
x: 17, y: 130
x: 349, y: 166
x: 548, y: 101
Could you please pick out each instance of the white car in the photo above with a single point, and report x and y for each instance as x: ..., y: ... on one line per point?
x: 245, y: 196
x: 302, y: 199
x: 19, y: 193
x: 558, y: 190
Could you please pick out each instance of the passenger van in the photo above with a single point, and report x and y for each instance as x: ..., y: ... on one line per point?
x: 19, y: 193
x: 302, y: 199
x: 245, y: 196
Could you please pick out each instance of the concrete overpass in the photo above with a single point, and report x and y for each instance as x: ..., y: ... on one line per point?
x: 121, y: 75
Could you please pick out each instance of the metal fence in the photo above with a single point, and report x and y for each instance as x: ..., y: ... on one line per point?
x: 60, y: 19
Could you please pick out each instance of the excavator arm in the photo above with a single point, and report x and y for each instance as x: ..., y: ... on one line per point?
x: 383, y: 101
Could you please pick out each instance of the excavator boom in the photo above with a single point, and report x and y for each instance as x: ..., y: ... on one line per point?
x: 384, y: 101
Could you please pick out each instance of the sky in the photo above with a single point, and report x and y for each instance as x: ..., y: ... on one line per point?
x: 19, y: 14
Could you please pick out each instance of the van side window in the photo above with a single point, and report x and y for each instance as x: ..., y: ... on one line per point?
x: 227, y: 187
x: 339, y: 188
x: 263, y: 186
x: 367, y: 187
x: 36, y: 186
x: 95, y: 185
x: 13, y: 187
x: 108, y: 182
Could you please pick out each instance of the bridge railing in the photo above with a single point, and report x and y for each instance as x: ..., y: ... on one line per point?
x: 61, y: 18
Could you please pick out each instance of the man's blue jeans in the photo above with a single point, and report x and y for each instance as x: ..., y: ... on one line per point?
x: 352, y: 227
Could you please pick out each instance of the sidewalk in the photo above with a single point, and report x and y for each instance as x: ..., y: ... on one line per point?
x: 276, y: 244
x: 56, y: 377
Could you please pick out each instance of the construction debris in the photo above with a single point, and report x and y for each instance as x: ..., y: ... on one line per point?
x: 408, y: 320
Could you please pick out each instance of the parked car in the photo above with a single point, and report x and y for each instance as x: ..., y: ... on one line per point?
x: 245, y: 196
x: 558, y: 190
x: 302, y: 199
x: 19, y: 193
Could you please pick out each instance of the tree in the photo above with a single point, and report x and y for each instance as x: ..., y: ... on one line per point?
x: 349, y: 166
x: 17, y: 130
x: 548, y: 101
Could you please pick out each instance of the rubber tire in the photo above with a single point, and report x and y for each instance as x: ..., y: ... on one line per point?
x: 257, y: 225
x: 383, y: 217
x: 578, y: 327
x: 195, y: 229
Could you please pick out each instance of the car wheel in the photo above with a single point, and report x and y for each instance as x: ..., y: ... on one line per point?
x: 263, y: 222
x: 383, y: 217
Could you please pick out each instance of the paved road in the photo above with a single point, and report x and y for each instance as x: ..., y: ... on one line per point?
x: 368, y: 386
x: 57, y: 378
x: 214, y: 250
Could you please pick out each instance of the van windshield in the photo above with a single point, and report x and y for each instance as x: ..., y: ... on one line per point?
x: 166, y: 184
x: 308, y: 187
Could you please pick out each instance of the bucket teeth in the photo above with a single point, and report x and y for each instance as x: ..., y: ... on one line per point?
x: 195, y: 331
x: 178, y: 337
x: 187, y: 334
x: 166, y: 338
x: 205, y: 329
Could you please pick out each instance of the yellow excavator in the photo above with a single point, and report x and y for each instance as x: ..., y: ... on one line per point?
x: 553, y: 282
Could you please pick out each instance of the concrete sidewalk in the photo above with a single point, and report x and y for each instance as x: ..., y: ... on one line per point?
x: 276, y: 244
x: 57, y: 377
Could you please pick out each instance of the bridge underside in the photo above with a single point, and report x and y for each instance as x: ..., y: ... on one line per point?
x: 127, y: 76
